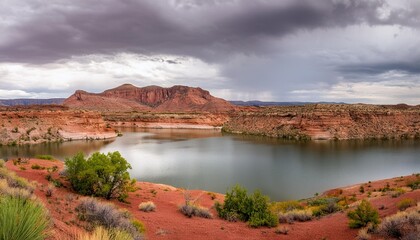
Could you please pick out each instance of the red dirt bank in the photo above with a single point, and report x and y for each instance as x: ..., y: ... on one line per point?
x: 168, y: 223
x: 36, y: 124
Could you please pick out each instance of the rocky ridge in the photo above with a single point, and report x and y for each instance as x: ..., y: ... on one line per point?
x: 329, y: 121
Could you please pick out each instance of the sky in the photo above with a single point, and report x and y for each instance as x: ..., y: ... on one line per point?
x: 355, y: 51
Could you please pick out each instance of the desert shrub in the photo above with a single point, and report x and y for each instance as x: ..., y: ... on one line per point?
x: 22, y: 218
x: 15, y: 181
x: 295, y: 215
x: 45, y: 157
x: 405, y: 203
x: 282, y: 230
x: 105, y: 215
x: 100, y: 175
x: 363, y: 234
x: 37, y: 167
x: 253, y: 209
x: 364, y: 214
x: 286, y: 206
x: 191, y: 210
x: 414, y: 184
x: 6, y: 190
x: 325, y: 205
x: 50, y: 190
x: 401, y: 225
x: 147, y: 206
x: 101, y: 233
x: 139, y: 226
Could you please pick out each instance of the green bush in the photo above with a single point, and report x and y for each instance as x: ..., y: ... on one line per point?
x: 37, y: 167
x: 364, y: 213
x: 100, y: 175
x: 253, y: 209
x: 45, y: 157
x: 22, y: 218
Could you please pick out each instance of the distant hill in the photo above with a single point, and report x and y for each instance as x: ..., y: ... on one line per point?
x: 151, y: 98
x: 261, y: 103
x: 28, y: 101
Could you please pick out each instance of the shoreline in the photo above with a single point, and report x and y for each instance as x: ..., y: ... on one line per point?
x: 157, y: 125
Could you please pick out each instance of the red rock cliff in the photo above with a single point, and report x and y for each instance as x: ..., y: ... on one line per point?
x: 127, y: 98
x: 335, y: 121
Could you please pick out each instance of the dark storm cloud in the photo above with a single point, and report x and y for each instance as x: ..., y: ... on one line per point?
x: 210, y: 30
x: 379, y: 68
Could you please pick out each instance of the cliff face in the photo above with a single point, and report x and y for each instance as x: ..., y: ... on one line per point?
x: 127, y: 98
x: 333, y: 121
x: 36, y: 124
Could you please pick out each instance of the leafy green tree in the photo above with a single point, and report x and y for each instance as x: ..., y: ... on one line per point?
x: 364, y: 213
x: 104, y: 175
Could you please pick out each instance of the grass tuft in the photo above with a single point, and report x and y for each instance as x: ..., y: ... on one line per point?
x: 147, y: 206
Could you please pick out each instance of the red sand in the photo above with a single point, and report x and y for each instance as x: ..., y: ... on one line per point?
x: 168, y: 223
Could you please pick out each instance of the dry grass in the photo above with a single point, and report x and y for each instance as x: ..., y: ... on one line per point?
x: 401, y: 225
x: 147, y: 206
x: 101, y: 233
x: 295, y: 215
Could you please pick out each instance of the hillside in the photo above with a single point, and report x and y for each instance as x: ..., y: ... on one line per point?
x: 127, y: 98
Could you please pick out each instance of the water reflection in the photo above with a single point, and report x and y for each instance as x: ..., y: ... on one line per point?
x: 58, y: 150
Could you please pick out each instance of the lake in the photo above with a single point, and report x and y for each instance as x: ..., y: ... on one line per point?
x: 214, y: 161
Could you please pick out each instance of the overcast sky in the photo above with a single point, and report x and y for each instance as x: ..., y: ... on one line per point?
x: 290, y: 50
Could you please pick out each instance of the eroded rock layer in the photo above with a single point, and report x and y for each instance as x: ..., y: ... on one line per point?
x: 329, y: 121
x: 36, y: 124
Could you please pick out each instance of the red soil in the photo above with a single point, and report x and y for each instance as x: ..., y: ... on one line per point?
x: 168, y: 223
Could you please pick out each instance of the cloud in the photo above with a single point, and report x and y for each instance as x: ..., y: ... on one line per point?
x: 392, y: 91
x: 96, y: 73
x: 240, y: 49
x: 208, y: 30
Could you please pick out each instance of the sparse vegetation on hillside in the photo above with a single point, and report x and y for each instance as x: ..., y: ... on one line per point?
x: 254, y: 209
x: 103, y: 175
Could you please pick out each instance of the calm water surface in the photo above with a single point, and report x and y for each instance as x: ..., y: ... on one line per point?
x: 210, y: 160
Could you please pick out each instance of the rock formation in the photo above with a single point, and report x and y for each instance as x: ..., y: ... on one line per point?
x: 127, y: 98
x: 36, y: 124
x: 329, y: 121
